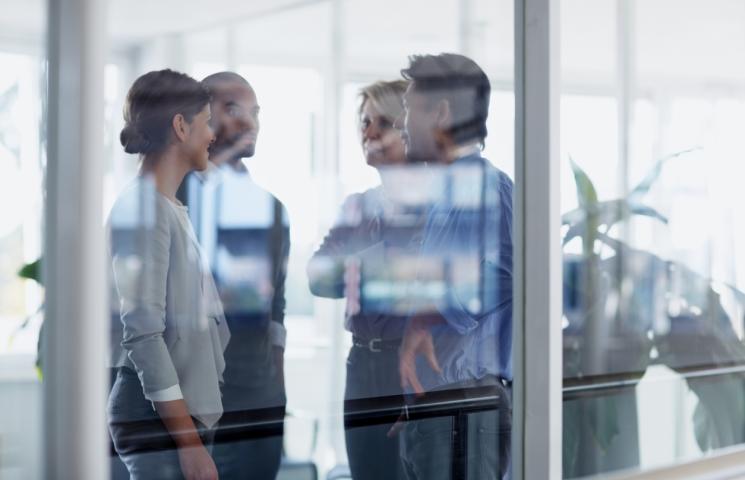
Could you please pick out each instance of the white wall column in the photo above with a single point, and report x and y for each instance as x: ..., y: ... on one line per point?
x: 76, y: 323
x: 329, y: 168
x: 538, y: 262
x: 626, y: 81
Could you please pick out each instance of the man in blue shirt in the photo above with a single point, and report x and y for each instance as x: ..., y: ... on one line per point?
x: 459, y: 339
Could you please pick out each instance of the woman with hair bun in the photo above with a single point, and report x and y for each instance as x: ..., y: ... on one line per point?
x: 169, y: 335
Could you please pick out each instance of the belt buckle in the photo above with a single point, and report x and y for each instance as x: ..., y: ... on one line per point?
x: 372, y: 347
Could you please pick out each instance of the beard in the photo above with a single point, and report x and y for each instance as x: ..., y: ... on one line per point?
x: 247, y: 151
x: 233, y: 144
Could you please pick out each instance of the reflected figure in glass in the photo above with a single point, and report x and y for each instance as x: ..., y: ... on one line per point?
x: 169, y: 332
x: 457, y: 342
x: 244, y: 231
x: 371, y: 224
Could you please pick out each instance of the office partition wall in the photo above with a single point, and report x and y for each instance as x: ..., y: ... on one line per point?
x: 619, y: 130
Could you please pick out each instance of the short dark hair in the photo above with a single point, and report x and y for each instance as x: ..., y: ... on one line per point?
x: 152, y: 102
x: 458, y: 80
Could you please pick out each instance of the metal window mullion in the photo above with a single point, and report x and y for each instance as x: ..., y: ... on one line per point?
x: 76, y: 324
x: 538, y: 263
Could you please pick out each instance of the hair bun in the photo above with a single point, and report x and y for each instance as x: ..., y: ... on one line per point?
x: 133, y: 140
x: 153, y: 100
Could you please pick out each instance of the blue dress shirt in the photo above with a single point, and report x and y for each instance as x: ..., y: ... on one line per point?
x: 469, y: 230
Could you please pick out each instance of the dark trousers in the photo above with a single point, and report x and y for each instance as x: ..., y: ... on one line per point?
x: 427, y: 445
x: 372, y: 454
x: 140, y: 437
x: 248, y: 441
x: 256, y: 455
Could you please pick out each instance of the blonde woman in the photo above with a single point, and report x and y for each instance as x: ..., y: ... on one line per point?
x: 362, y: 227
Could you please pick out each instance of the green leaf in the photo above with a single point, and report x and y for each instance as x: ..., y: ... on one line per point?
x: 608, y: 213
x: 32, y: 271
x: 586, y: 193
x: 573, y: 217
x: 611, y: 212
x: 643, y: 187
x: 647, y: 211
x: 576, y: 230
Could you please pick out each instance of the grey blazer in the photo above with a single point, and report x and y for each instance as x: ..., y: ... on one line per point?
x: 171, y: 328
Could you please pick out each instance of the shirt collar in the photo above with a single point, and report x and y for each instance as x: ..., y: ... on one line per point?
x: 468, y: 150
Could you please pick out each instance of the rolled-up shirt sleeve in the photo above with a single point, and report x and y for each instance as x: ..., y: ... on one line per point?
x: 140, y: 274
x: 167, y: 395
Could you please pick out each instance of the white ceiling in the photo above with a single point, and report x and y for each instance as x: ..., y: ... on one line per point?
x: 135, y: 20
x: 696, y: 40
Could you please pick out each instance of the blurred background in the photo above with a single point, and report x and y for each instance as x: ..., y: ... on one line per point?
x: 652, y: 94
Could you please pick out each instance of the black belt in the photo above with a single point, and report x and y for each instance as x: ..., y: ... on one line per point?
x: 376, y: 345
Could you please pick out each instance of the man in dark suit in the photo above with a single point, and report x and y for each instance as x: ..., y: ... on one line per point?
x: 244, y: 231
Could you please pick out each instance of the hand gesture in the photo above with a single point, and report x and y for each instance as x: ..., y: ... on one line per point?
x: 417, y: 341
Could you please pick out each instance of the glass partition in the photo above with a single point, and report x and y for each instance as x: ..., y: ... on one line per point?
x: 653, y: 312
x: 310, y: 245
x: 315, y: 242
x: 22, y: 160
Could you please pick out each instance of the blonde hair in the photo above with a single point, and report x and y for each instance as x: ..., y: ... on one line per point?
x: 385, y: 97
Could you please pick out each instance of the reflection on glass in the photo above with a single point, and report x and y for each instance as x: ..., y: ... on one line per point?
x: 370, y: 225
x: 306, y: 61
x: 21, y: 293
x: 653, y: 302
x: 425, y: 264
x: 464, y: 340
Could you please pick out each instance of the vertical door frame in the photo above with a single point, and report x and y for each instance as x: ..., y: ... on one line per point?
x: 76, y: 322
x: 537, y: 353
